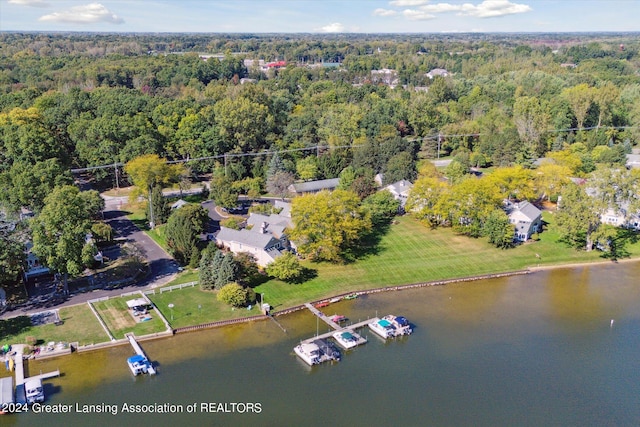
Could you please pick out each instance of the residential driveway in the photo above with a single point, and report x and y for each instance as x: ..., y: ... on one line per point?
x: 161, y: 264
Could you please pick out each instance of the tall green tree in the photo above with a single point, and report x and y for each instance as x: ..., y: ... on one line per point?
x: 148, y: 171
x: 60, y: 230
x: 578, y: 217
x: 183, y: 230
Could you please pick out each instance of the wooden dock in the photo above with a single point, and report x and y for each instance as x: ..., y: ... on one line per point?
x: 324, y: 318
x: 337, y: 328
x: 136, y: 347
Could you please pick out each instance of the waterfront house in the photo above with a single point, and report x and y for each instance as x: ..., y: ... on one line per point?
x: 526, y: 218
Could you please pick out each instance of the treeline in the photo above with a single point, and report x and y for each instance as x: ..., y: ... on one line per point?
x: 81, y: 100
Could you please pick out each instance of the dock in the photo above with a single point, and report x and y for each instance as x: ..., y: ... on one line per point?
x: 18, y: 367
x: 337, y: 328
x: 136, y: 347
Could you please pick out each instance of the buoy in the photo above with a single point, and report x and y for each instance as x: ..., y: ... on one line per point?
x: 611, y: 323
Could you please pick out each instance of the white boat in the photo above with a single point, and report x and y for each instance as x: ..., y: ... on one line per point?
x: 34, y: 391
x: 401, y: 324
x: 383, y: 327
x: 309, y: 352
x: 139, y: 364
x: 348, y: 339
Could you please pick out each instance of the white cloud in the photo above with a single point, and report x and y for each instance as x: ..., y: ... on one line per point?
x: 403, y: 3
x: 85, y: 14
x: 486, y: 9
x: 384, y: 12
x: 32, y: 3
x: 336, y: 27
x: 417, y: 15
x: 494, y: 8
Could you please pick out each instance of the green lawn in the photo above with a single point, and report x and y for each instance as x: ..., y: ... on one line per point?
x: 119, y: 320
x: 193, y: 306
x: 408, y: 253
x: 413, y: 253
x: 80, y: 325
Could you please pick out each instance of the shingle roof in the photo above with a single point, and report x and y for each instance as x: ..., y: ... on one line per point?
x: 528, y: 210
x: 311, y: 186
x: 246, y: 237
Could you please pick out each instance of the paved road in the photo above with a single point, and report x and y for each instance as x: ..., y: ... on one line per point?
x: 161, y: 264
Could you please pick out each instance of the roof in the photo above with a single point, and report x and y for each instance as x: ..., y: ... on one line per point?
x: 285, y: 206
x: 526, y: 209
x: 246, y: 237
x: 312, y: 186
x: 400, y: 187
x: 180, y: 203
x: 137, y: 302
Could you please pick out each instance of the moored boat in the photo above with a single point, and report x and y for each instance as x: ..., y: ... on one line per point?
x: 401, y: 324
x: 383, y: 327
x: 351, y: 296
x: 348, y: 339
x: 309, y: 352
x: 138, y: 364
x: 337, y: 318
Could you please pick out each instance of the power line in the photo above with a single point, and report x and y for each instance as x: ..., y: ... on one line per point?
x: 433, y: 137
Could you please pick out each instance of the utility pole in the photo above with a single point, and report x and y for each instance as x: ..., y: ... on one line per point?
x: 151, y: 222
x: 115, y: 166
x: 439, y: 140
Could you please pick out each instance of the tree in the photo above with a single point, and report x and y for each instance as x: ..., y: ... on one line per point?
x: 328, y: 225
x: 381, y: 207
x: 60, y: 230
x: 513, y: 182
x: 550, y: 179
x: 235, y: 295
x: 12, y: 255
x: 148, y: 171
x: 278, y: 184
x: 223, y: 192
x: 286, y: 268
x: 531, y: 119
x: 227, y: 271
x: 209, y: 262
x: 400, y: 166
x: 427, y: 201
x: 498, y: 229
x: 242, y: 123
x: 580, y: 98
x: 182, y: 231
x: 578, y: 217
x: 160, y: 207
x: 307, y: 168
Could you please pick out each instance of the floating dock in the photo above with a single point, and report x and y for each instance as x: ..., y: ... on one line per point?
x: 136, y: 347
x: 336, y: 327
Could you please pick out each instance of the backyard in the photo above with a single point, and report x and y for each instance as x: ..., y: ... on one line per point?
x: 120, y: 320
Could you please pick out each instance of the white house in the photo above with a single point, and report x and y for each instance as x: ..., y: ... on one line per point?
x: 400, y: 190
x: 437, y: 72
x: 526, y: 218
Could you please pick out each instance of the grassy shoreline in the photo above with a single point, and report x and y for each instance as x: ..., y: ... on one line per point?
x: 407, y: 254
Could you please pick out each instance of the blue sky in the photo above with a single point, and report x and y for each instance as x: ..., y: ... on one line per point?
x: 320, y: 16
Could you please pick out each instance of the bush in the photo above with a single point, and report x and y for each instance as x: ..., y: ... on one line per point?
x: 235, y: 295
x: 286, y: 268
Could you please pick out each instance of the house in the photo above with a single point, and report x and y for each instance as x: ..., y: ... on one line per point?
x: 437, y: 72
x: 400, y: 191
x: 526, y: 218
x: 177, y: 205
x: 34, y: 267
x: 263, y: 245
x: 385, y: 76
x: 314, y: 186
x: 264, y: 236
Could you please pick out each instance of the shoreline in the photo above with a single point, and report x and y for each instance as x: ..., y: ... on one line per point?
x: 442, y: 282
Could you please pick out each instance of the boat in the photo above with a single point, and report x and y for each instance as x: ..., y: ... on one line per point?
x: 348, y: 339
x: 351, y: 296
x: 6, y: 394
x: 309, y: 352
x: 336, y: 299
x: 402, y: 325
x: 337, y: 318
x: 322, y: 304
x: 34, y: 391
x: 383, y: 327
x: 139, y: 364
x: 328, y: 350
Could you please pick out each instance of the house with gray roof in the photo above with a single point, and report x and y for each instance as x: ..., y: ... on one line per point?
x: 314, y: 186
x: 261, y: 244
x: 526, y: 218
x: 264, y: 237
x: 400, y: 190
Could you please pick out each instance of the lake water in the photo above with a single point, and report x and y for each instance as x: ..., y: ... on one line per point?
x: 533, y: 350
